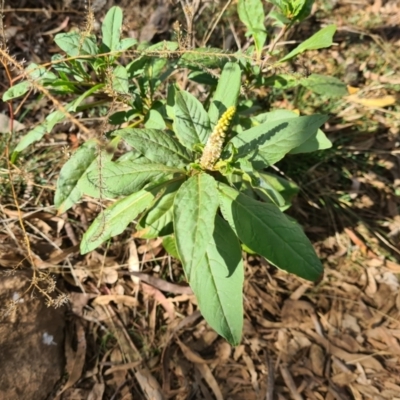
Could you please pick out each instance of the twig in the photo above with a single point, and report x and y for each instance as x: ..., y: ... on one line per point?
x: 206, y: 39
x: 273, y: 44
x: 271, y: 377
x: 287, y: 377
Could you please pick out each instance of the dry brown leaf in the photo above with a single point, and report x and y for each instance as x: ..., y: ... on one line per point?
x: 75, y: 359
x: 149, y: 384
x: 366, y: 360
x: 344, y: 379
x: 252, y: 372
x: 110, y: 275
x: 133, y: 261
x: 119, y: 375
x: 209, y: 378
x: 128, y: 301
x: 97, y: 391
x: 317, y: 358
x: 379, y: 102
x: 160, y: 298
x: 192, y: 355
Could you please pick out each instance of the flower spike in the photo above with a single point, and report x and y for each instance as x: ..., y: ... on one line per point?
x: 215, y: 142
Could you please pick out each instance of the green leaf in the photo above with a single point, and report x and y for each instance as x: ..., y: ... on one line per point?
x: 204, y: 78
x: 319, y: 141
x: 304, y: 9
x: 227, y: 92
x: 285, y: 188
x: 154, y: 120
x: 116, y: 218
x: 202, y: 57
x: 126, y: 43
x: 251, y: 13
x: 74, y: 44
x: 272, y: 116
x: 326, y: 85
x: 17, y: 90
x: 156, y: 145
x: 111, y: 28
x: 319, y: 40
x: 169, y: 245
x: 32, y: 136
x: 67, y: 192
x: 294, y: 10
x: 115, y: 179
x: 268, y: 193
x: 120, y: 80
x: 271, y: 141
x: 170, y: 105
x: 266, y: 230
x: 195, y: 207
x: 281, y: 81
x: 158, y: 221
x: 217, y: 283
x: 37, y: 72
x: 191, y: 125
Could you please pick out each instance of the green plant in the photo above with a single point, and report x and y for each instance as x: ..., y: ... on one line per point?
x: 195, y: 174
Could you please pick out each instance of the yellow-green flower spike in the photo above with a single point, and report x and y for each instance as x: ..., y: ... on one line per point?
x: 213, y: 148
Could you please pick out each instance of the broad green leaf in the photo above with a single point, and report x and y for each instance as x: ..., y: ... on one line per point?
x: 17, y: 90
x: 169, y: 244
x: 269, y: 142
x: 326, y: 85
x: 314, y: 143
x: 285, y: 188
x: 121, y: 117
x: 73, y: 43
x: 111, y: 28
x: 191, y: 125
x: 126, y: 43
x: 304, y: 9
x: 251, y: 13
x: 294, y: 10
x: 282, y: 81
x: 158, y: 220
x: 319, y: 141
x: 319, y: 40
x: 266, y: 230
x: 155, y: 120
x: 37, y: 72
x: 203, y: 78
x: 195, y: 207
x: 202, y: 57
x: 268, y: 193
x: 155, y: 65
x: 217, y: 282
x: 116, y: 218
x: 272, y: 116
x: 31, y: 137
x: 115, y: 179
x: 120, y: 82
x: 227, y: 92
x: 158, y: 146
x: 77, y: 102
x: 67, y: 192
x: 280, y: 19
x: 170, y: 105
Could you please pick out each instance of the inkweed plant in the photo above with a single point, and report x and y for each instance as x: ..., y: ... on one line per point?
x: 195, y: 173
